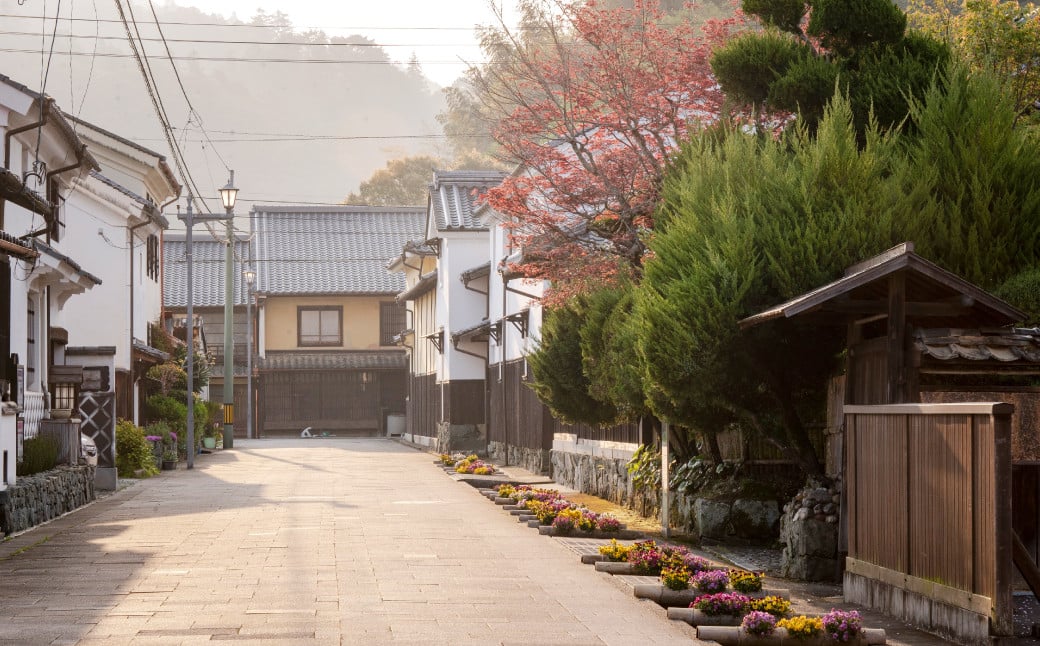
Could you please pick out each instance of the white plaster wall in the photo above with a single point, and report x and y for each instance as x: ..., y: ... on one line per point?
x: 459, y: 308
x: 100, y: 316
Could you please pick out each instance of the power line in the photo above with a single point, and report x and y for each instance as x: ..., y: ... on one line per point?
x: 233, y: 59
x: 271, y: 26
x: 181, y: 84
x: 204, y: 41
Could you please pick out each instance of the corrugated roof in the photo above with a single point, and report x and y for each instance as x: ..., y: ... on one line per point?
x: 208, y: 271
x: 350, y: 360
x: 456, y: 195
x: 331, y: 250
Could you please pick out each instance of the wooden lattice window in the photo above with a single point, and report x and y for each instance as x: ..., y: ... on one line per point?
x: 391, y: 322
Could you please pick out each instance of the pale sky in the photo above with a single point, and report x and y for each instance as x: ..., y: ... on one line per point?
x: 441, y: 34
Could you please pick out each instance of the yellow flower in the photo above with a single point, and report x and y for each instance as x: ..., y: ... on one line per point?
x: 802, y: 626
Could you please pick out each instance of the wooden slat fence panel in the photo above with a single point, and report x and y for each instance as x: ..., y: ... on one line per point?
x: 928, y: 490
x: 881, y: 491
x: 985, y: 501
x: 940, y: 496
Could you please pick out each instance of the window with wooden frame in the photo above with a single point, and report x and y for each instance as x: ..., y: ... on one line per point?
x: 319, y: 326
x: 152, y: 257
x: 391, y: 321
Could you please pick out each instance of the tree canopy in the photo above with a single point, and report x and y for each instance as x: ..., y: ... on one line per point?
x: 809, y: 47
x: 592, y: 102
x: 747, y: 222
x: 1002, y: 37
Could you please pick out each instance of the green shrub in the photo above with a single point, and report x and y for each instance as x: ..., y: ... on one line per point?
x: 38, y: 454
x: 134, y: 457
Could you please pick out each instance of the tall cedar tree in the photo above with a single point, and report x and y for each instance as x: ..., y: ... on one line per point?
x: 556, y: 366
x: 595, y: 100
x: 809, y: 47
x: 748, y: 222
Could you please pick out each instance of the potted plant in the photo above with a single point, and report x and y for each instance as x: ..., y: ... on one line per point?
x: 169, y: 459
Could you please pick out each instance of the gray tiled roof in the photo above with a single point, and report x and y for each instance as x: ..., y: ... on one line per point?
x: 331, y: 250
x: 456, y: 195
x: 208, y: 271
x: 999, y: 345
x: 356, y: 360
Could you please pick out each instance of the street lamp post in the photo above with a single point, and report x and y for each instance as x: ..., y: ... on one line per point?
x: 227, y: 196
x: 190, y: 220
x: 250, y: 276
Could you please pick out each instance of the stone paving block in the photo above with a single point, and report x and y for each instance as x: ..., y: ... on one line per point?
x: 322, y: 541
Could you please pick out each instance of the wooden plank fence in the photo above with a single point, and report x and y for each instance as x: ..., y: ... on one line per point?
x: 929, y: 514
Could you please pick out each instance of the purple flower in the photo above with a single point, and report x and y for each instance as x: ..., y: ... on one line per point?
x: 153, y: 438
x: 758, y: 623
x: 710, y: 581
x: 721, y: 603
x: 842, y: 625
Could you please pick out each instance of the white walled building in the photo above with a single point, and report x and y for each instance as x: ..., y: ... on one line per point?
x: 116, y: 218
x: 447, y: 397
x: 43, y: 157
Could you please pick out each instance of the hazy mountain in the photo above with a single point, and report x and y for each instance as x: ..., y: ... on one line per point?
x: 274, y: 101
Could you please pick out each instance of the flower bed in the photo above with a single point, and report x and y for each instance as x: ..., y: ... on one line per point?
x: 555, y: 515
x: 469, y: 464
x: 760, y: 627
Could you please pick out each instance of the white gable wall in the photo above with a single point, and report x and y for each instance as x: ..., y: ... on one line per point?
x: 459, y: 308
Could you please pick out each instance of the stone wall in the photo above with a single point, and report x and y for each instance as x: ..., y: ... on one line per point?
x: 35, y: 499
x: 599, y: 475
x: 607, y: 477
x: 809, y: 532
x: 460, y: 438
x: 533, y: 460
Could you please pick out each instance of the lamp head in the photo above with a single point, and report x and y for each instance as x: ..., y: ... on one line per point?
x: 249, y: 275
x: 229, y: 193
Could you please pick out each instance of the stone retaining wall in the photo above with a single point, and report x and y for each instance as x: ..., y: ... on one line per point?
x: 533, y: 460
x: 603, y: 471
x: 35, y: 499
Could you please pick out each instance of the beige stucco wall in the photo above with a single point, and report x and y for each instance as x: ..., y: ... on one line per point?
x: 360, y: 321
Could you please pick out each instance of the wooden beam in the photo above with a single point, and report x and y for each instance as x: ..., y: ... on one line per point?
x: 1024, y: 563
x: 879, y: 308
x: 897, y: 339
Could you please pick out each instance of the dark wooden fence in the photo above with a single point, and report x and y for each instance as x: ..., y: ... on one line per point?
x: 517, y: 417
x: 929, y: 510
x: 423, y: 404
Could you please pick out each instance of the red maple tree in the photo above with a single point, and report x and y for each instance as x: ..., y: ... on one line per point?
x: 595, y: 99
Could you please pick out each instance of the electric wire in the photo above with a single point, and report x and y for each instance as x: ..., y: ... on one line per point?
x: 180, y: 82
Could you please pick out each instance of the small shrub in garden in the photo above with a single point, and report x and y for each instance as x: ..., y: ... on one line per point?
x: 801, y: 626
x: 675, y: 578
x: 711, y: 581
x: 134, y: 453
x: 758, y: 623
x: 744, y: 581
x: 842, y: 625
x: 39, y: 454
x: 608, y: 524
x: 721, y: 603
x: 774, y: 605
x: 615, y: 551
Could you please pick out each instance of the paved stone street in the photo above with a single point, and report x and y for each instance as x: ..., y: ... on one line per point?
x: 323, y: 541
